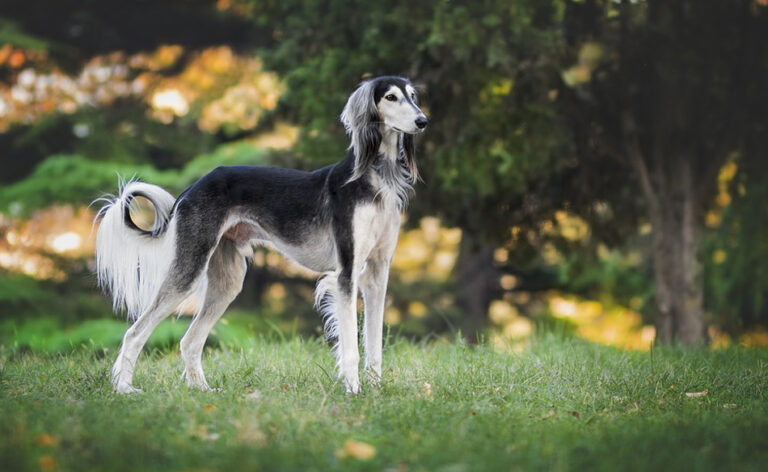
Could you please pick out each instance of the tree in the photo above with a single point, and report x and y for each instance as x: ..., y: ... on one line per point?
x: 74, y: 40
x: 668, y: 90
x: 609, y: 110
x: 485, y: 69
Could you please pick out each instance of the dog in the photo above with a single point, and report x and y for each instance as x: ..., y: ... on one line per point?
x: 342, y: 221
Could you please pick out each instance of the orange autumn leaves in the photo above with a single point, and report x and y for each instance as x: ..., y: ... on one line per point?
x: 47, y: 462
x: 216, y: 87
x: 356, y: 450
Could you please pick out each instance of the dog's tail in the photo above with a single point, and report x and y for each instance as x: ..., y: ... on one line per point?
x: 131, y: 263
x: 326, y: 303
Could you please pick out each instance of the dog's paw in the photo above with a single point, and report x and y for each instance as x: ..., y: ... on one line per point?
x: 196, y: 379
x: 352, y: 385
x: 206, y: 388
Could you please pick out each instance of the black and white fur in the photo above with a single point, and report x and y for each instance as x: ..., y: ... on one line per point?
x: 342, y: 220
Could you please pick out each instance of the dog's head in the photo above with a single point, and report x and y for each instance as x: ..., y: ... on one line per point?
x: 383, y: 104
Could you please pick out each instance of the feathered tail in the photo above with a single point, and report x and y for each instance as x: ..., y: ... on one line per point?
x: 326, y: 303
x: 131, y: 263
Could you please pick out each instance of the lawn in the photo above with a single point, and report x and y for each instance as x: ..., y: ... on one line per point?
x: 560, y: 404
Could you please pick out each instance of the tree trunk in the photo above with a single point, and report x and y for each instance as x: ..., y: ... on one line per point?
x: 672, y: 200
x: 476, y: 280
x: 677, y: 269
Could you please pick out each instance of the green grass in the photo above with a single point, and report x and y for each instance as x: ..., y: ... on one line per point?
x: 559, y: 405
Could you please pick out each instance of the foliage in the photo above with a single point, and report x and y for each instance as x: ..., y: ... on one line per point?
x: 16, y: 289
x: 527, y: 101
x: 736, y: 255
x: 648, y: 88
x: 75, y: 31
x: 11, y: 34
x: 50, y: 335
x: 559, y: 405
x: 66, y: 179
x: 612, y: 275
x: 484, y: 68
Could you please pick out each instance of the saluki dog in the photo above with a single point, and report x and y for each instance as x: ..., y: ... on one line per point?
x: 342, y: 220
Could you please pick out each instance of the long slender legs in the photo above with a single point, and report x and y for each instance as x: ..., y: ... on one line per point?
x: 371, y: 251
x: 374, y: 286
x: 136, y: 336
x: 226, y: 271
x: 347, y: 351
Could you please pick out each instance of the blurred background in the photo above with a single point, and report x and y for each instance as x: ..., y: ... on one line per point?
x: 592, y: 167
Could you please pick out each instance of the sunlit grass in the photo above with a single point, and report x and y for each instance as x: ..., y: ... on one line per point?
x: 558, y: 405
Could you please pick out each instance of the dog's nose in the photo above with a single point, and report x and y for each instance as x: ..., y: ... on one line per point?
x: 421, y: 122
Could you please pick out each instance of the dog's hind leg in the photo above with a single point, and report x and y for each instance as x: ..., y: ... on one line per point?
x: 136, y: 336
x: 226, y: 270
x: 179, y: 284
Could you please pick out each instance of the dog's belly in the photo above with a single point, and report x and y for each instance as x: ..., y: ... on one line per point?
x: 317, y: 252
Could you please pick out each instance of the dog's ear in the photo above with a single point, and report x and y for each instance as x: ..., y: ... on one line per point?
x: 409, y: 156
x: 361, y: 121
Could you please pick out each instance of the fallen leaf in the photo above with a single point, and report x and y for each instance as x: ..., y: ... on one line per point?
x: 357, y: 450
x: 549, y: 414
x: 249, y: 433
x: 209, y: 407
x: 201, y: 432
x: 285, y: 387
x: 46, y: 439
x: 255, y: 395
x: 576, y: 414
x: 427, y: 389
x: 729, y: 406
x: 47, y: 463
x: 696, y: 394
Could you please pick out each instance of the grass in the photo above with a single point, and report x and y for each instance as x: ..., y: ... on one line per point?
x: 562, y: 404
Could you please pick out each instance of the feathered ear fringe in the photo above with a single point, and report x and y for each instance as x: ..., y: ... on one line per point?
x: 409, y: 155
x: 361, y: 121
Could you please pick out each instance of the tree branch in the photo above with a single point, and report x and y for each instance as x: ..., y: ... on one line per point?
x: 635, y: 156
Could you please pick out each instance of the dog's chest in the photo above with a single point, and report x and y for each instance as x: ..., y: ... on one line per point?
x: 375, y: 229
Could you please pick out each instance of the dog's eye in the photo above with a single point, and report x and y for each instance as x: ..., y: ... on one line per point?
x: 391, y: 97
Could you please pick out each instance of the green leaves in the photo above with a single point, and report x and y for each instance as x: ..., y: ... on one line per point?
x: 11, y: 33
x: 484, y: 68
x: 74, y: 179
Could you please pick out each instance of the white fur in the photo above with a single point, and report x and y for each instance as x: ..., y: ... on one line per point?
x: 400, y: 114
x: 129, y: 265
x: 393, y: 188
x: 326, y: 298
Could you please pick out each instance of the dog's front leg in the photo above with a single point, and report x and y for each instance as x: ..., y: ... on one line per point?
x: 348, y: 356
x: 374, y: 286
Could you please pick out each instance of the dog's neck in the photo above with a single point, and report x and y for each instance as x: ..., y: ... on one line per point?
x: 390, y: 144
x: 390, y: 177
